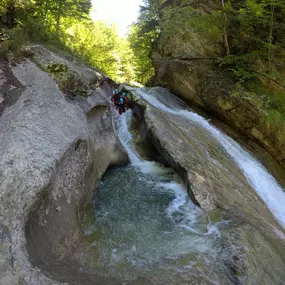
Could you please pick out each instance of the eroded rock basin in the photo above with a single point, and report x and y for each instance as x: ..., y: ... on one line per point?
x: 147, y: 230
x: 147, y: 227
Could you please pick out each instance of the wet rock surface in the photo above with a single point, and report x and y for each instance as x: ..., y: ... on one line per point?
x: 53, y: 152
x: 215, y: 181
x: 250, y: 257
x: 56, y: 146
x: 200, y: 83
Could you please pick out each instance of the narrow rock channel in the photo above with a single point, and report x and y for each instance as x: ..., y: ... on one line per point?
x: 147, y: 227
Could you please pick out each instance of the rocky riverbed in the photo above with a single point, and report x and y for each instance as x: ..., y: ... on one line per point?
x: 59, y: 225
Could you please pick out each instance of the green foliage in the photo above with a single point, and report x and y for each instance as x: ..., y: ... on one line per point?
x: 4, y: 48
x: 256, y: 37
x: 141, y: 45
x: 188, y: 23
x: 101, y: 46
x: 65, y: 24
x: 126, y: 65
x: 51, y: 12
x: 250, y: 33
x: 273, y: 123
x: 12, y: 41
x: 56, y: 68
x: 142, y: 38
x: 69, y: 83
x: 277, y: 101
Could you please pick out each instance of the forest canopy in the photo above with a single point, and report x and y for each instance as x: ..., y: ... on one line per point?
x: 248, y: 34
x: 66, y: 24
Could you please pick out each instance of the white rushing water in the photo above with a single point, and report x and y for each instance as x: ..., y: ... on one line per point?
x: 259, y: 178
x: 126, y: 138
x: 149, y: 167
x: 181, y: 204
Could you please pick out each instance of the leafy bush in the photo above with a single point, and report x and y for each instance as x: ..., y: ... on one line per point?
x: 69, y: 29
x: 273, y: 125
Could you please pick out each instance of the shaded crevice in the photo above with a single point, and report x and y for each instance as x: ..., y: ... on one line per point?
x: 156, y: 151
x: 52, y: 230
x: 10, y: 88
x: 97, y: 111
x: 145, y: 141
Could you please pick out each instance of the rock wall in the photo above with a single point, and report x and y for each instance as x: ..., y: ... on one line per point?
x: 187, y: 63
x: 53, y: 152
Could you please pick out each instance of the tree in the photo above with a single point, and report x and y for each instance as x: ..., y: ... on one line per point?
x: 252, y: 33
x: 77, y: 9
x: 71, y: 8
x: 141, y: 45
x: 10, y: 9
x: 225, y: 29
x: 98, y: 44
x: 142, y: 38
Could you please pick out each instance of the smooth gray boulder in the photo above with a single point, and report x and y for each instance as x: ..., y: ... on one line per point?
x: 53, y: 152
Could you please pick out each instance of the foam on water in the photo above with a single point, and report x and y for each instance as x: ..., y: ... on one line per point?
x: 147, y: 226
x: 181, y: 208
x: 259, y: 178
x: 126, y: 138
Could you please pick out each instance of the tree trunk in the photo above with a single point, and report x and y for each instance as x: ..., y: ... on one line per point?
x: 270, y: 39
x: 226, y: 42
x: 58, y: 16
x: 10, y: 15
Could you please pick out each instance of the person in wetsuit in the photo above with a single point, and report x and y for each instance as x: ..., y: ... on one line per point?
x: 122, y: 105
x: 116, y: 97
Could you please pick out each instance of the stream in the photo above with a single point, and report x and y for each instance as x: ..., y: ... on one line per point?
x: 147, y: 228
x: 146, y: 225
x: 258, y: 177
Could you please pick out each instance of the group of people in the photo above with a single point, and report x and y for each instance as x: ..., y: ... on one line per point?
x: 120, y: 100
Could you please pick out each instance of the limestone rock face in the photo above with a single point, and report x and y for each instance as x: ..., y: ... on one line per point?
x: 53, y: 152
x: 180, y: 35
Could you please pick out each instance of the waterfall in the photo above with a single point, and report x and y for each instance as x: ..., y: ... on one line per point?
x: 258, y: 177
x: 181, y: 204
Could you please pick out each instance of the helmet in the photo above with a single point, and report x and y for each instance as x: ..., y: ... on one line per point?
x: 116, y: 91
x: 124, y: 94
x: 121, y: 100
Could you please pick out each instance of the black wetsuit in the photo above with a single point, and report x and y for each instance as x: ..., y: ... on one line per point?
x: 122, y: 106
x: 116, y: 99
